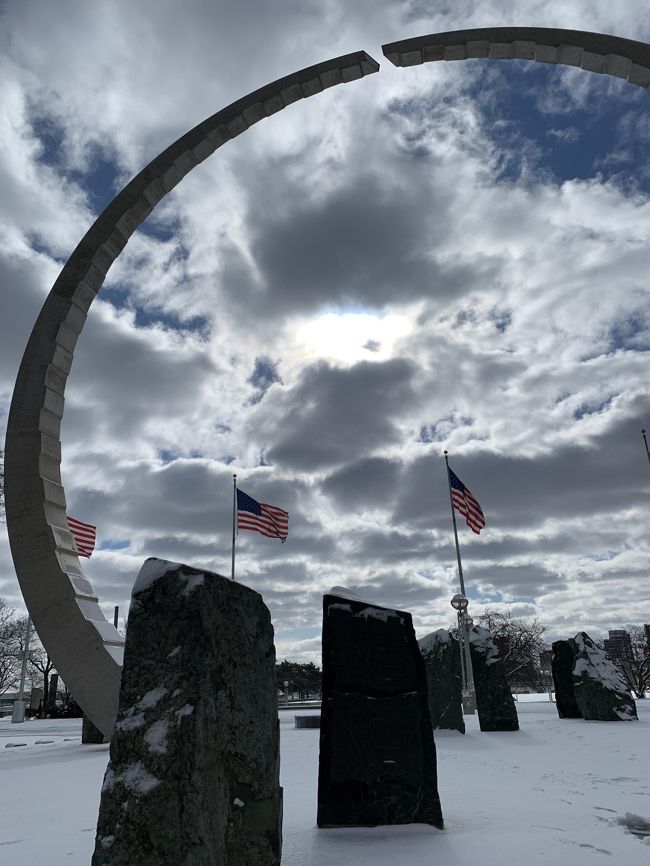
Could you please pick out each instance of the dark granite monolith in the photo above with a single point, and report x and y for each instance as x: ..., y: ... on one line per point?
x: 193, y: 776
x: 601, y: 689
x: 564, y: 656
x: 441, y: 654
x: 377, y: 755
x: 494, y: 702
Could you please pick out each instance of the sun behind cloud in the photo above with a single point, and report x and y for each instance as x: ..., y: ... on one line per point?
x: 349, y: 337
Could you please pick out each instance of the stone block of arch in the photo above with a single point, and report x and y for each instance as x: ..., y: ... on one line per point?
x: 593, y: 52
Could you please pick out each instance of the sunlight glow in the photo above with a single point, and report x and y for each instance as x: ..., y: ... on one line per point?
x: 351, y: 337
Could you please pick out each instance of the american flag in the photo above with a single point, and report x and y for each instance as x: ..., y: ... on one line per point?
x: 260, y: 517
x: 466, y: 504
x: 84, y: 535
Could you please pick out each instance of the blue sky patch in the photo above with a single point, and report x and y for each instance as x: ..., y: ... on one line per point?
x: 546, y: 133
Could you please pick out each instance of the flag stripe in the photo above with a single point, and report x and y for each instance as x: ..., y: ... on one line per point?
x: 84, y: 535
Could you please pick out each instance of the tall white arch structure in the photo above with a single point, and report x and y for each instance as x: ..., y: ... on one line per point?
x: 85, y: 648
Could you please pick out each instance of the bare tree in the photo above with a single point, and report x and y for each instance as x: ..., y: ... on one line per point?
x: 519, y: 644
x: 636, y: 660
x: 10, y: 657
x: 41, y: 666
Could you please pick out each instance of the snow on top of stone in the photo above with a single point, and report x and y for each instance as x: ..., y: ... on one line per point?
x: 595, y: 664
x: 372, y: 610
x: 481, y: 640
x: 152, y: 570
x: 379, y: 613
x: 342, y: 592
x: 429, y: 641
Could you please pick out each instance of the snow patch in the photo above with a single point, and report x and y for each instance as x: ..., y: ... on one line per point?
x: 152, y: 570
x: 431, y: 641
x: 379, y: 613
x: 156, y: 737
x: 339, y: 607
x: 238, y: 803
x: 481, y: 640
x: 131, y: 722
x: 151, y: 698
x: 192, y: 582
x: 174, y: 652
x: 342, y: 592
x: 596, y: 665
x: 187, y: 710
x: 371, y: 610
x: 135, y: 779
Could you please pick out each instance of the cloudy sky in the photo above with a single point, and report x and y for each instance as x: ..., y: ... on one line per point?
x: 452, y: 256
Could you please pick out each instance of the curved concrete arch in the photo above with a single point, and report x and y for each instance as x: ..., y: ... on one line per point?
x: 85, y: 648
x: 593, y: 52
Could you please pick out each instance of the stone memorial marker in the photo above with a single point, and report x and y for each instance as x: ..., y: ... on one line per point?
x: 377, y: 755
x: 600, y: 688
x: 193, y: 776
x: 441, y: 654
x: 564, y: 656
x: 494, y: 702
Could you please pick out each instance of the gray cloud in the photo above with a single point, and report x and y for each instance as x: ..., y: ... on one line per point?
x: 526, y: 338
x: 333, y: 414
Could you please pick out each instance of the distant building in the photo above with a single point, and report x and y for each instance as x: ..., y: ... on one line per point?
x: 619, y: 644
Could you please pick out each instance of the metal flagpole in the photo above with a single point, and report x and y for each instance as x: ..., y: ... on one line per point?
x: 18, y: 712
x: 460, y: 605
x: 234, y: 524
x: 646, y: 443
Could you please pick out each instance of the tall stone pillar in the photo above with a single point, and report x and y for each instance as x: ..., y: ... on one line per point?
x: 377, y: 755
x: 193, y: 776
x: 564, y: 656
x: 441, y: 654
x: 494, y: 701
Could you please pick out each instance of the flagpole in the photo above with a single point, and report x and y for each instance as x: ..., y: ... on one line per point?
x: 469, y: 693
x: 646, y: 443
x: 234, y: 524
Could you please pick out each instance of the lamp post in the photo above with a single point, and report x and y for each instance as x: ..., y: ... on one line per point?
x: 460, y: 603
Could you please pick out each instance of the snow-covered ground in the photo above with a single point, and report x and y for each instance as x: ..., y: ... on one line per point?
x: 555, y: 792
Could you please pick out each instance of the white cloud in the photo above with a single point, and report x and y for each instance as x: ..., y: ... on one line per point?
x: 367, y: 244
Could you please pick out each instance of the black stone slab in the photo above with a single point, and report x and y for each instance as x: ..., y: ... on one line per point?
x: 601, y: 689
x: 193, y: 776
x: 564, y: 656
x: 377, y: 755
x: 494, y: 702
x: 441, y: 654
